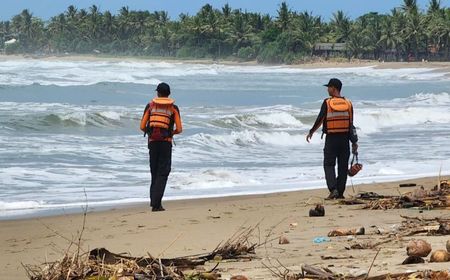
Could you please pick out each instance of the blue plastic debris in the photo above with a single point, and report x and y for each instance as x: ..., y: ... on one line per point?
x: 321, y: 239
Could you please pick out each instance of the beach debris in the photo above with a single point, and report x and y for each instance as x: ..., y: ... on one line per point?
x: 418, y: 248
x: 345, y: 232
x: 413, y: 260
x: 101, y: 263
x: 311, y: 271
x: 239, y: 277
x: 436, y: 198
x: 283, y: 240
x: 440, y: 256
x: 208, y: 276
x: 321, y: 239
x: 406, y: 185
x: 341, y: 257
x: 318, y: 211
x: 293, y: 225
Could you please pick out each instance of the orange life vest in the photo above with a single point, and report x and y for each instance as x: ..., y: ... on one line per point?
x: 160, y: 121
x: 339, y: 115
x: 161, y: 111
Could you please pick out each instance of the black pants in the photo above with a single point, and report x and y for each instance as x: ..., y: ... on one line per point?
x: 336, y: 147
x: 160, y: 164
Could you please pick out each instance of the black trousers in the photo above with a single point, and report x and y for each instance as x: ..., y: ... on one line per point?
x: 160, y: 165
x: 336, y: 147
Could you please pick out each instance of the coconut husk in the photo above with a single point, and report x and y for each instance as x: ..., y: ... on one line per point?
x: 440, y: 256
x: 318, y: 211
x: 418, y: 248
x: 283, y: 240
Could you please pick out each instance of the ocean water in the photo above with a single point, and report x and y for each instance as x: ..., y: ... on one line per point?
x: 69, y: 130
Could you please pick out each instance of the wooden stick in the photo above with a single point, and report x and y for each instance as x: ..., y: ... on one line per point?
x: 370, y: 268
x: 317, y: 272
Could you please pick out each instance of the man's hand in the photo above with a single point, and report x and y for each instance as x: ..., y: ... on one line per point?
x: 308, y: 137
x: 354, y: 148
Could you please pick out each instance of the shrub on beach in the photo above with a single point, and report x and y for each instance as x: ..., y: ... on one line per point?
x: 246, y: 53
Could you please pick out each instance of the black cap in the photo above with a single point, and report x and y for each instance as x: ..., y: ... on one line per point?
x: 336, y: 83
x: 163, y: 88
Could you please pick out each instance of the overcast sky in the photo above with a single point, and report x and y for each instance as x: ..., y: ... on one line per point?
x: 325, y: 8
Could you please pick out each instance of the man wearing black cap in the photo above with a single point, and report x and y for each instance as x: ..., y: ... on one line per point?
x: 158, y: 121
x: 336, y: 115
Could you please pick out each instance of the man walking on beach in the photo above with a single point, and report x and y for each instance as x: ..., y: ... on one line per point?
x: 336, y: 115
x: 158, y: 121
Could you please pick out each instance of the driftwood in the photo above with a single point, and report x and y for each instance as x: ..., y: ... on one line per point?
x: 310, y: 272
x: 436, y: 198
x: 103, y: 263
x: 410, y: 226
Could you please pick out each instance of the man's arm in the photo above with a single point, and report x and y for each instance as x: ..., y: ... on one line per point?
x: 144, y: 119
x: 178, y: 125
x: 353, y: 136
x: 319, y: 120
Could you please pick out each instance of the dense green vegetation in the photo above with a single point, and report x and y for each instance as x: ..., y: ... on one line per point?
x: 406, y: 32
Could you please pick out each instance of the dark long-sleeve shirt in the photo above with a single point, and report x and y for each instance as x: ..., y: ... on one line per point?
x: 322, y: 116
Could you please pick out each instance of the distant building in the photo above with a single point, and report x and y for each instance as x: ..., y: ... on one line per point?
x: 330, y: 49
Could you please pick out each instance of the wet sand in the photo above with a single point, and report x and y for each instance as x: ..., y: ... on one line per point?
x: 197, y: 226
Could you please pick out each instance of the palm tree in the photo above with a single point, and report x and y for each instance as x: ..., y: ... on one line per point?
x: 434, y: 6
x: 389, y: 40
x: 414, y: 32
x: 226, y: 11
x: 342, y: 26
x: 283, y: 16
x: 410, y: 6
x: 310, y: 27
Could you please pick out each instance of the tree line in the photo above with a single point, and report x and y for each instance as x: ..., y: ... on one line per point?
x: 406, y: 33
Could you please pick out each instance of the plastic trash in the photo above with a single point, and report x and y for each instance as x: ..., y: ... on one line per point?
x: 321, y: 239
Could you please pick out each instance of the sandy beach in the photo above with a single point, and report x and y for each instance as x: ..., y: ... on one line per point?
x: 197, y: 226
x: 320, y: 63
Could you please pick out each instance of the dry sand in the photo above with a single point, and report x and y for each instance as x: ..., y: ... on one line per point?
x: 197, y: 226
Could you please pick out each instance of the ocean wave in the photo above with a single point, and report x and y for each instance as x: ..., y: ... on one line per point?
x: 414, y: 112
x: 210, y: 179
x: 411, y: 118
x: 248, y: 138
x: 262, y: 120
x: 76, y: 73
x: 425, y: 99
x: 47, y: 115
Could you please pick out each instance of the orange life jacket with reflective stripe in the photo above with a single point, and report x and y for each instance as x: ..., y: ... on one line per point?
x: 161, y: 111
x: 339, y: 115
x: 160, y: 122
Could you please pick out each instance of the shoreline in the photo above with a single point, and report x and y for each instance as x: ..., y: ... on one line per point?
x: 106, y: 206
x: 195, y: 226
x: 333, y: 63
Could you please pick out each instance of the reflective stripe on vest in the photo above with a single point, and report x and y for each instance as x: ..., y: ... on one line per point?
x: 160, y: 115
x: 339, y: 115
